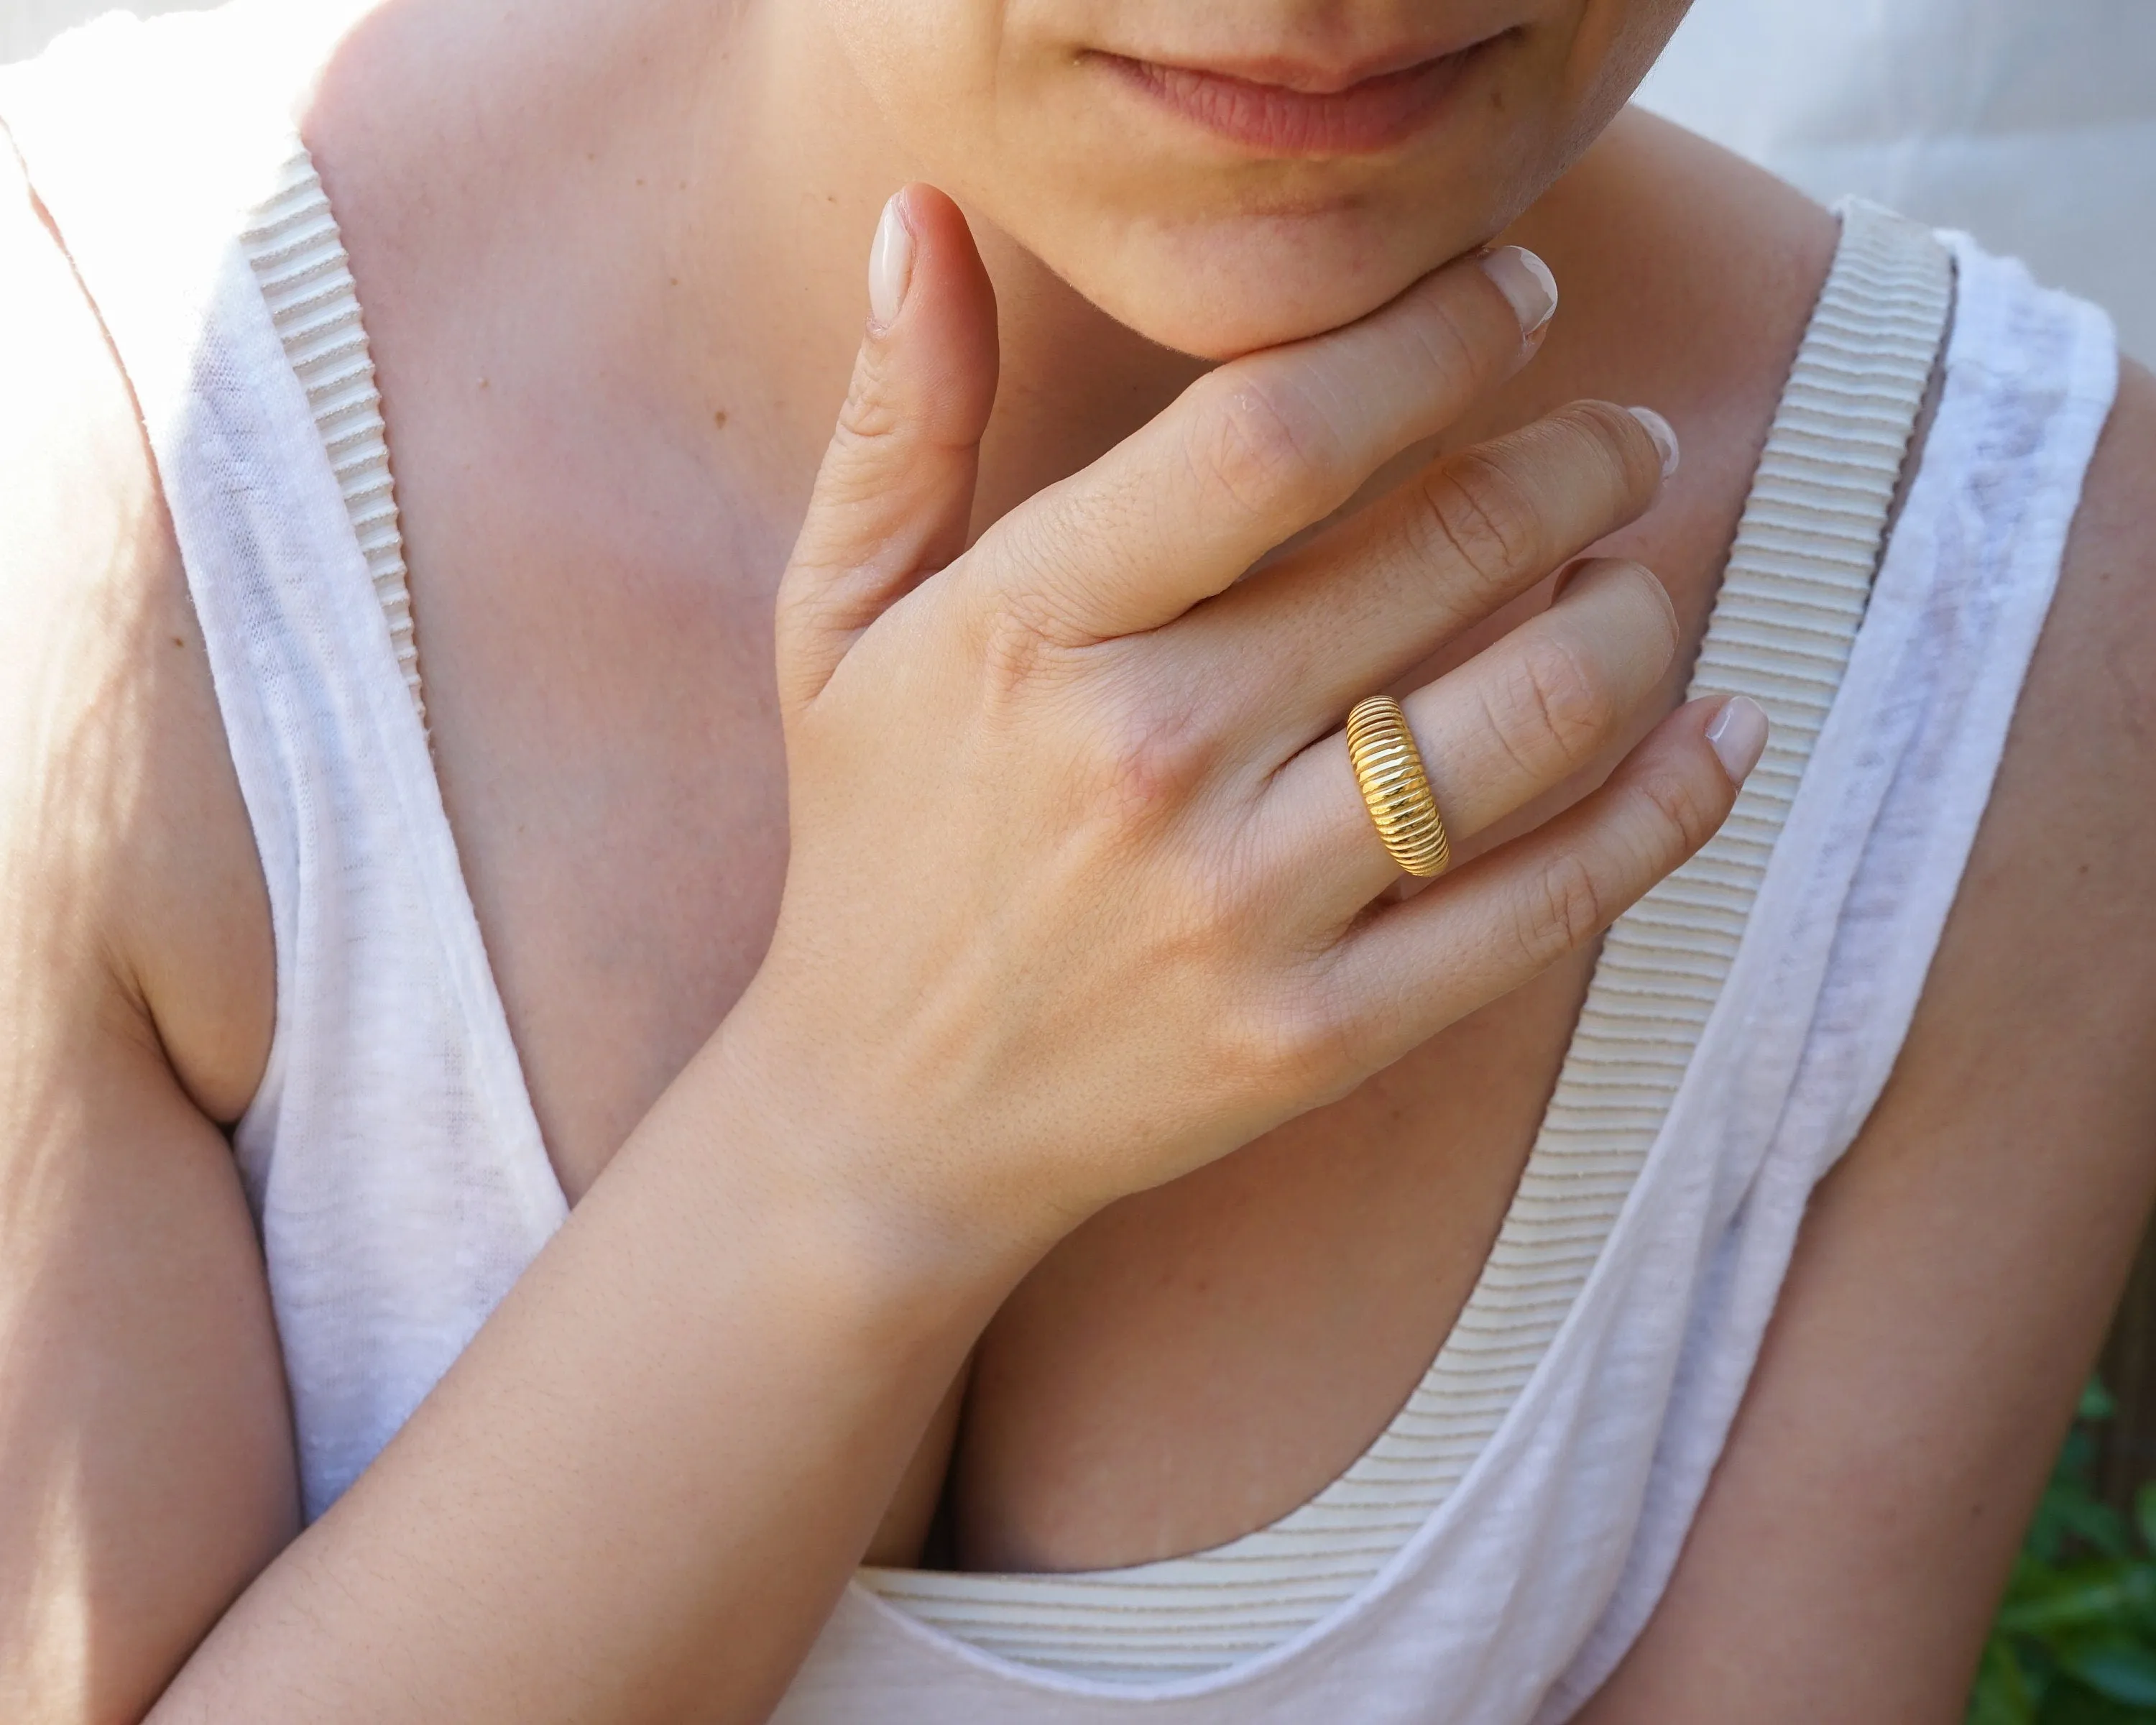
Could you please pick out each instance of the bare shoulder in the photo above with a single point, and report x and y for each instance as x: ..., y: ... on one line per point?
x: 2107, y: 608
x: 2040, y: 1007
x: 2057, y: 880
x: 128, y: 840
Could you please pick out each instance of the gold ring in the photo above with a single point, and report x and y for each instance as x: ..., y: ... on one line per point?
x: 1395, y: 788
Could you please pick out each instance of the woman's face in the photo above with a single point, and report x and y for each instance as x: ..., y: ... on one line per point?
x: 1223, y: 174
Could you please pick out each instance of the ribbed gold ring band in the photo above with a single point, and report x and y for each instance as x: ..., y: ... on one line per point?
x: 1389, y: 771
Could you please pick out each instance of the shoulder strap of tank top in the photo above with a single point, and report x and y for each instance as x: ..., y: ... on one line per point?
x: 166, y: 154
x: 292, y: 245
x: 101, y: 116
x: 147, y: 143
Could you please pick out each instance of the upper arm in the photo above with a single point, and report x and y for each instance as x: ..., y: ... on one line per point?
x: 146, y: 1471
x: 1956, y: 1272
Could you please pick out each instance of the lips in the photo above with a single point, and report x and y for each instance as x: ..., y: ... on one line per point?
x: 1277, y: 119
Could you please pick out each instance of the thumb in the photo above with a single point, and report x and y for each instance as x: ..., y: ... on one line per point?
x: 895, y: 494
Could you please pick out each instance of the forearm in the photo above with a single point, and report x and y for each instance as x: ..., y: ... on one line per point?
x: 638, y: 1492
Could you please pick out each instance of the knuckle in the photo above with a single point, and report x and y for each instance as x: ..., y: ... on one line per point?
x: 1452, y: 345
x: 807, y: 609
x: 1015, y: 644
x: 1300, y: 1044
x: 1260, y: 446
x: 1147, y: 758
x: 1652, y: 598
x: 1025, y: 577
x: 1686, y: 811
x: 1468, y: 331
x: 1561, y: 912
x: 1557, y: 708
x: 1481, y: 518
x: 1614, y: 447
x: 870, y: 411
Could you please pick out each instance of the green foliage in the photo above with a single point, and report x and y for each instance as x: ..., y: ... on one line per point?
x: 2075, y: 1643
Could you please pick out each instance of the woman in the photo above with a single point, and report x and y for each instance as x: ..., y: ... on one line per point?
x: 986, y: 1101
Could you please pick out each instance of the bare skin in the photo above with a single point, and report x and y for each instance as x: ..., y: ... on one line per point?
x: 1255, y: 1320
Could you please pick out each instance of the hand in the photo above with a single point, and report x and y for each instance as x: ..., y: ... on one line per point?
x: 1082, y: 894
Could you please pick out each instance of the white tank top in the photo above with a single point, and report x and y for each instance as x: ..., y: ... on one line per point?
x: 1493, y: 1555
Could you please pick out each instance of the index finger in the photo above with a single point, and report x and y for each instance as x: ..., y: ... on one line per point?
x: 1262, y: 447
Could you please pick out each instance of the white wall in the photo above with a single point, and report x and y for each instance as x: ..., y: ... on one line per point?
x: 26, y: 26
x: 2030, y: 123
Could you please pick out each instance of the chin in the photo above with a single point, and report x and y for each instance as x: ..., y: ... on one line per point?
x: 1219, y: 290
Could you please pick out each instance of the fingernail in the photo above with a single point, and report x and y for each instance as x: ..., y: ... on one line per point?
x: 1525, y: 280
x: 1665, y: 436
x: 890, y: 264
x: 1737, y: 736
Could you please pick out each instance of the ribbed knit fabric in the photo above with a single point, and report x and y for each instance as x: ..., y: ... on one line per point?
x: 293, y: 246
x: 1794, y: 592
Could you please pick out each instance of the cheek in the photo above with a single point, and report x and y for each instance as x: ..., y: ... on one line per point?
x: 929, y: 68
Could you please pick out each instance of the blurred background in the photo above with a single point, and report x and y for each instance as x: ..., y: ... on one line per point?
x: 2032, y: 125
x: 28, y: 25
